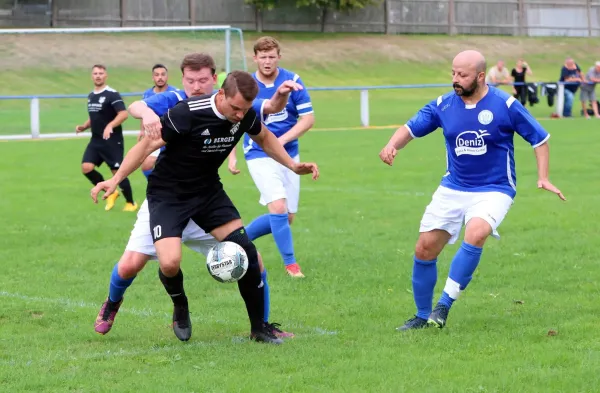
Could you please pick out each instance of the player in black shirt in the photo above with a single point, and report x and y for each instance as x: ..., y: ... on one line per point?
x: 199, y: 133
x: 107, y: 112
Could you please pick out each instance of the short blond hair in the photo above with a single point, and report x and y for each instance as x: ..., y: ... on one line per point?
x: 266, y: 43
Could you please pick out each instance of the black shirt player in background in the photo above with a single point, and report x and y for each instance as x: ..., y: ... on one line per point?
x: 199, y: 133
x: 107, y: 112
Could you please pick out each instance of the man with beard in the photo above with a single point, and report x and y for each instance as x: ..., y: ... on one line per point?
x: 106, y: 113
x: 160, y: 76
x: 478, y: 188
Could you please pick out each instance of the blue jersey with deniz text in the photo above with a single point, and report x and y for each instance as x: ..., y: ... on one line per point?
x: 150, y: 92
x: 479, y: 139
x: 299, y: 104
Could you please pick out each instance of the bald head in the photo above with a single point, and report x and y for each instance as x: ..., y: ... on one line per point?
x: 468, y: 73
x: 470, y: 59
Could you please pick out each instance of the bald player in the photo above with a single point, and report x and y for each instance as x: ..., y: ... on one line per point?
x: 479, y: 186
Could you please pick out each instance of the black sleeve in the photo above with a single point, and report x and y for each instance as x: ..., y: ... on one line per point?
x: 117, y: 102
x: 254, y: 124
x: 176, y: 122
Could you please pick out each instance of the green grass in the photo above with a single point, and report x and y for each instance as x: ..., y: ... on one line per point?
x: 354, y: 237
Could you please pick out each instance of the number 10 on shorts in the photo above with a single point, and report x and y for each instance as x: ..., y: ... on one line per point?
x: 157, y: 230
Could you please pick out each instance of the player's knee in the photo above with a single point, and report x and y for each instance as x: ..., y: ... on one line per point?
x: 131, y: 263
x: 427, y: 248
x: 240, y: 237
x: 278, y: 207
x: 477, y: 231
x: 170, y: 266
x: 87, y: 167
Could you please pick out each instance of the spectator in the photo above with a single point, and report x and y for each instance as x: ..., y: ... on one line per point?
x: 588, y: 87
x: 498, y: 74
x: 518, y: 74
x: 570, y: 72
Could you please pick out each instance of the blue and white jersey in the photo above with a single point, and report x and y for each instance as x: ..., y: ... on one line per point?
x: 479, y: 139
x: 299, y: 104
x: 161, y: 103
x: 150, y: 92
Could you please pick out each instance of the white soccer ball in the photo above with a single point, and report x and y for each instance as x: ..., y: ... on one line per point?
x: 227, y: 262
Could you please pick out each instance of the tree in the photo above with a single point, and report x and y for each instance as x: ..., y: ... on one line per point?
x: 337, y: 5
x: 259, y: 7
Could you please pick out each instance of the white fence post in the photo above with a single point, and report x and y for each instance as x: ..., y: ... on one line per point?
x: 35, y: 117
x: 560, y: 99
x: 364, y: 108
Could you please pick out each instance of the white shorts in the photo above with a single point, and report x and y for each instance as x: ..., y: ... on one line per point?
x: 155, y: 153
x: 449, y: 209
x: 140, y: 240
x: 274, y: 181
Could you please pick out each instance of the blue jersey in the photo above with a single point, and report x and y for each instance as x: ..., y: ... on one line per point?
x: 279, y: 123
x: 479, y: 139
x: 161, y: 103
x: 150, y: 92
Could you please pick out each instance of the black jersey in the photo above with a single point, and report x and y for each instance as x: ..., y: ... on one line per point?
x: 103, y: 107
x: 199, y: 139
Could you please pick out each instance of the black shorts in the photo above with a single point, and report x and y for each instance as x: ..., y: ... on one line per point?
x: 99, y: 151
x: 209, y: 210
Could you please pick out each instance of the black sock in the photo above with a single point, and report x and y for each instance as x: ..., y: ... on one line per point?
x: 94, y: 176
x: 174, y: 287
x: 250, y: 286
x: 127, y: 192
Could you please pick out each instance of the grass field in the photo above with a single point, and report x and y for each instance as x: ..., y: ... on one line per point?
x: 354, y: 237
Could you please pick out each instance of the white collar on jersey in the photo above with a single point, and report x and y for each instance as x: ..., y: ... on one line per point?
x: 106, y: 87
x: 214, y: 107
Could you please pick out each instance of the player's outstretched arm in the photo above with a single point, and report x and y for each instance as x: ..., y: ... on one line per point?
x: 304, y: 124
x: 132, y: 161
x: 232, y: 162
x: 542, y: 156
x: 280, y: 99
x: 274, y: 149
x: 398, y: 141
x: 150, y: 121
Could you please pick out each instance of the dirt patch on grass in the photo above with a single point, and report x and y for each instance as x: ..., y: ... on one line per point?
x: 142, y: 50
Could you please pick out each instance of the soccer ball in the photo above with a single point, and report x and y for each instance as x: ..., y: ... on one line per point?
x: 227, y: 262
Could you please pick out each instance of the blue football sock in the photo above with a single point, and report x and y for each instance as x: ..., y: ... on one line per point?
x: 282, y: 233
x: 260, y: 226
x: 147, y: 172
x: 461, y: 272
x: 263, y: 275
x: 424, y: 279
x: 118, y: 285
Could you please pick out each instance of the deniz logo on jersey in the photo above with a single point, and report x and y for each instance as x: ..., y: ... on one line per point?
x: 279, y: 116
x: 102, y: 99
x: 471, y: 143
x: 234, y: 128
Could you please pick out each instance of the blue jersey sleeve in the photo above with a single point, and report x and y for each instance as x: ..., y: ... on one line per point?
x: 258, y: 105
x: 526, y: 125
x: 301, y: 99
x: 160, y: 103
x: 425, y: 121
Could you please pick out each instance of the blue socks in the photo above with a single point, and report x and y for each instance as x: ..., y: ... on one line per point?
x: 279, y: 226
x: 263, y: 276
x: 461, y: 272
x: 147, y: 173
x: 282, y: 233
x: 259, y: 227
x: 118, y: 285
x: 424, y: 279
